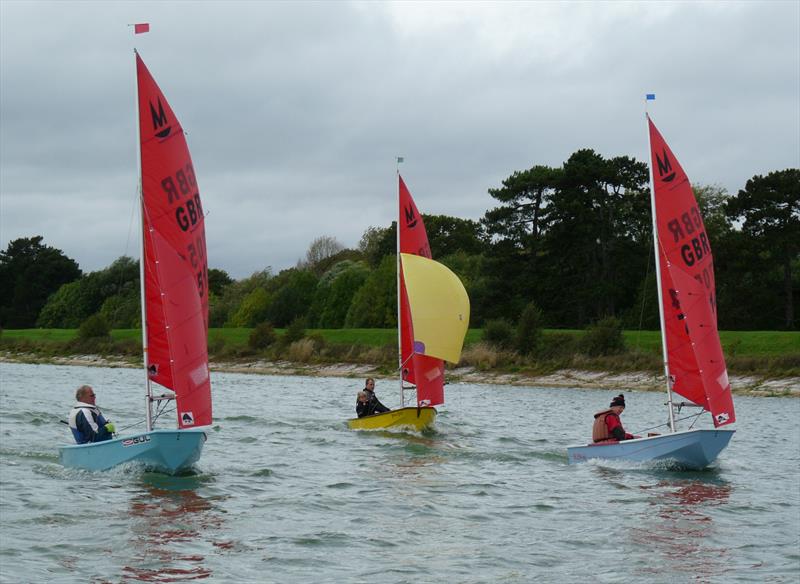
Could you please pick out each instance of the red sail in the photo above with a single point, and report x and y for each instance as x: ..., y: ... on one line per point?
x: 427, y: 373
x: 694, y: 354
x: 175, y: 266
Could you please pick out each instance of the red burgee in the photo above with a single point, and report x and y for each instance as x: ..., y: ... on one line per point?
x: 141, y: 28
x: 175, y: 265
x: 696, y: 363
x: 427, y: 373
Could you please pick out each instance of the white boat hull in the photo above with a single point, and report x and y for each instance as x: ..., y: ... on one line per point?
x: 691, y: 449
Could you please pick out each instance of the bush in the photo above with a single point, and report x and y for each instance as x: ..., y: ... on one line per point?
x: 94, y: 327
x: 529, y: 330
x: 261, y: 337
x: 498, y: 333
x: 480, y: 355
x: 216, y: 344
x: 300, y: 351
x: 558, y: 346
x: 122, y: 311
x: 603, y: 338
x: 252, y: 309
x: 295, y: 331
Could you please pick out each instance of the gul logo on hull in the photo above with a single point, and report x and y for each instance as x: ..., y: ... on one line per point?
x: 134, y: 441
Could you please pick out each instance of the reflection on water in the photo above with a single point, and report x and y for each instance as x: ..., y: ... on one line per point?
x: 170, y: 523
x: 420, y: 452
x: 680, y: 529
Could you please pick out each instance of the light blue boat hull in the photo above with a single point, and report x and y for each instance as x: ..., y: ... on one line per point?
x: 167, y: 451
x: 692, y: 449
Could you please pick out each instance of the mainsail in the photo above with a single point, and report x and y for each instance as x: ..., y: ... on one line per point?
x: 174, y: 259
x: 695, y: 361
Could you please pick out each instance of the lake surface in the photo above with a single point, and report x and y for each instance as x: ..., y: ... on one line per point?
x: 285, y: 492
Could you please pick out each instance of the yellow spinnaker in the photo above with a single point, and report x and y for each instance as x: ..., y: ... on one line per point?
x: 439, y: 307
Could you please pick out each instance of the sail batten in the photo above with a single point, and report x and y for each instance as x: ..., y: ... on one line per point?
x: 175, y: 267
x: 694, y: 354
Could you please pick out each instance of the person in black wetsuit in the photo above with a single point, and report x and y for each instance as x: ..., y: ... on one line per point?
x: 367, y: 402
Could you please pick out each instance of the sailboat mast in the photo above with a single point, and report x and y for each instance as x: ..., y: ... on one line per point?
x: 399, y: 292
x: 148, y: 389
x: 658, y: 279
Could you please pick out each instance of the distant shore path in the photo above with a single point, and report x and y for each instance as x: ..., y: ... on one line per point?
x: 573, y: 378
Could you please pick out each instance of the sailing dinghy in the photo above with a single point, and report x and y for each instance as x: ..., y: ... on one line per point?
x: 174, y: 290
x: 432, y: 318
x: 694, y: 365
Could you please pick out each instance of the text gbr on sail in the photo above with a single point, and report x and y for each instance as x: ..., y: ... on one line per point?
x: 688, y: 226
x: 182, y: 185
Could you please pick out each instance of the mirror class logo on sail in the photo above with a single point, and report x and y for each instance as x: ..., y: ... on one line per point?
x: 687, y: 230
x: 665, y: 171
x: 411, y: 223
x: 411, y: 218
x: 160, y: 126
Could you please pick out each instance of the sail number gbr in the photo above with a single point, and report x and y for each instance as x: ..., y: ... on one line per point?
x: 181, y: 188
x: 181, y: 191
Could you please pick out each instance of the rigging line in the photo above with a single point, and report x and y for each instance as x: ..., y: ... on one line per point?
x: 121, y: 277
x: 697, y: 417
x: 161, y: 407
x: 644, y: 299
x: 404, y: 363
x: 157, y: 416
x: 162, y: 410
x: 139, y: 423
x: 667, y: 423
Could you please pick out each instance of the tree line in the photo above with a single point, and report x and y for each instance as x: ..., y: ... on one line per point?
x: 574, y: 241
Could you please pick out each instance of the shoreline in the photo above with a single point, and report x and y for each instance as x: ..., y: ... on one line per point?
x: 565, y: 378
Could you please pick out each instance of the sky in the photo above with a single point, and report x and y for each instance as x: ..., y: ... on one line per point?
x: 295, y: 112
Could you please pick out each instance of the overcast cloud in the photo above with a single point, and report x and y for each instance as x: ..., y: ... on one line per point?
x: 295, y: 111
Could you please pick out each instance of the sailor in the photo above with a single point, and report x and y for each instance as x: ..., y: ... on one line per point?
x: 86, y: 421
x: 607, y: 425
x: 367, y: 402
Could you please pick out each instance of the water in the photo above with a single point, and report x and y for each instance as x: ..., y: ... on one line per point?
x: 285, y: 493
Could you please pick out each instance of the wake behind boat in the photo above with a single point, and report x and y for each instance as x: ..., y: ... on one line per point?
x: 694, y: 365
x: 174, y: 284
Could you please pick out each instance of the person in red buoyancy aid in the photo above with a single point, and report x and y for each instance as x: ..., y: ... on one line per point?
x: 607, y: 425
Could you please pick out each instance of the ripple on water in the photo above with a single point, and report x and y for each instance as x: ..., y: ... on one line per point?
x: 287, y: 496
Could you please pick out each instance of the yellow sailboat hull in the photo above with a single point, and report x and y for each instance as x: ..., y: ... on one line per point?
x: 416, y: 418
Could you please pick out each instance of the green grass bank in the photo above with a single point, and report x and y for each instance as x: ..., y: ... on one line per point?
x: 766, y: 353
